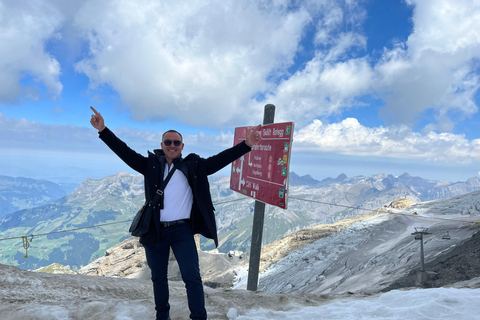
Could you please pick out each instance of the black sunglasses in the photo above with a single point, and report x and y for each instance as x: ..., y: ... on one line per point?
x: 176, y: 143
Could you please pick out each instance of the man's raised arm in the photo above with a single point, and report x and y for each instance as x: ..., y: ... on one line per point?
x: 97, y: 120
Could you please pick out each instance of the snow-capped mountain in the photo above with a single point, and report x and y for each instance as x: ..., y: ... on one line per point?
x: 417, y: 188
x: 313, y: 202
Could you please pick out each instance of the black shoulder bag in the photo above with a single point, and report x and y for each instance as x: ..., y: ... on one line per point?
x: 141, y: 223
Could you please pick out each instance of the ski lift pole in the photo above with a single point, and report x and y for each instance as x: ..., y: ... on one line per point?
x: 419, y: 233
x: 422, y: 255
x: 258, y: 220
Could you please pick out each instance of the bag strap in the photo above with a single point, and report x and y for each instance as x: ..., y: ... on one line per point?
x: 160, y: 190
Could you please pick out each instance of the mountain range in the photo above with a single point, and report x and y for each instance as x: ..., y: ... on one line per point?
x: 96, y: 201
x: 350, y: 269
x: 17, y: 193
x: 112, y: 201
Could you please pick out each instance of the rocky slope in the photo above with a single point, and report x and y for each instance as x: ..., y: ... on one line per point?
x: 127, y: 260
x: 370, y: 255
x: 462, y: 263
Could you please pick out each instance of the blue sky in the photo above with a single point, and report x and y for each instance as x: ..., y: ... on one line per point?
x: 372, y: 86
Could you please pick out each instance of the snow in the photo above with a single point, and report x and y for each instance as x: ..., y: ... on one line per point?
x: 428, y: 304
x: 41, y: 296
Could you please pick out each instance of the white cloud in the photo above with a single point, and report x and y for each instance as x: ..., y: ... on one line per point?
x: 349, y: 137
x: 200, y: 63
x: 332, y: 81
x: 328, y: 23
x: 23, y: 134
x: 322, y: 89
x: 77, y: 153
x: 60, y: 153
x: 207, y: 62
x: 34, y: 136
x: 436, y: 69
x: 438, y: 66
x: 24, y: 29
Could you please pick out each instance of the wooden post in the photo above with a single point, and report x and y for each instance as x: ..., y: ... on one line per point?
x: 258, y: 219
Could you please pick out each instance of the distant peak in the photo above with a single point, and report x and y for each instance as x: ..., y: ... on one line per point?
x: 124, y: 173
x: 296, y: 180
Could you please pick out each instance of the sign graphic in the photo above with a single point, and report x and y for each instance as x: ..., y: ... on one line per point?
x: 263, y: 172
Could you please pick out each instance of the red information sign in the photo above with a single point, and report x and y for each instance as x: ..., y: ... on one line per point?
x: 263, y: 172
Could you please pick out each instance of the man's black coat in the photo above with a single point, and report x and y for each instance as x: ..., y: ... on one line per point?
x: 195, y: 168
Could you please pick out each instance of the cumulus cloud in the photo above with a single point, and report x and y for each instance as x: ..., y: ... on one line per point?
x: 24, y: 28
x: 323, y: 89
x: 216, y: 63
x: 209, y: 62
x: 78, y: 153
x: 335, y: 78
x: 200, y: 62
x: 437, y: 67
x: 349, y: 137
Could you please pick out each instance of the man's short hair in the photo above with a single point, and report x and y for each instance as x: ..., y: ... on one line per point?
x: 174, y: 131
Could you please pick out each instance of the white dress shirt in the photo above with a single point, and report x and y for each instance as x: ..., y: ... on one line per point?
x: 177, y: 198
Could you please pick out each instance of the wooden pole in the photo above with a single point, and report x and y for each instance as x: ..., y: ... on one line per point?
x: 258, y: 220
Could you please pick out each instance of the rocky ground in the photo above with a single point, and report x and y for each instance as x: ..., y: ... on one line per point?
x: 127, y: 259
x: 279, y: 249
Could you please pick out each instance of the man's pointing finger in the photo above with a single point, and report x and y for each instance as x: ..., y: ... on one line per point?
x: 93, y: 109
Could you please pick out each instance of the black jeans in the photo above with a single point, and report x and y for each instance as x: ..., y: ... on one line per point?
x: 180, y: 238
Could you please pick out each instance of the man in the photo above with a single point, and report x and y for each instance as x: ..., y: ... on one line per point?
x: 187, y: 208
